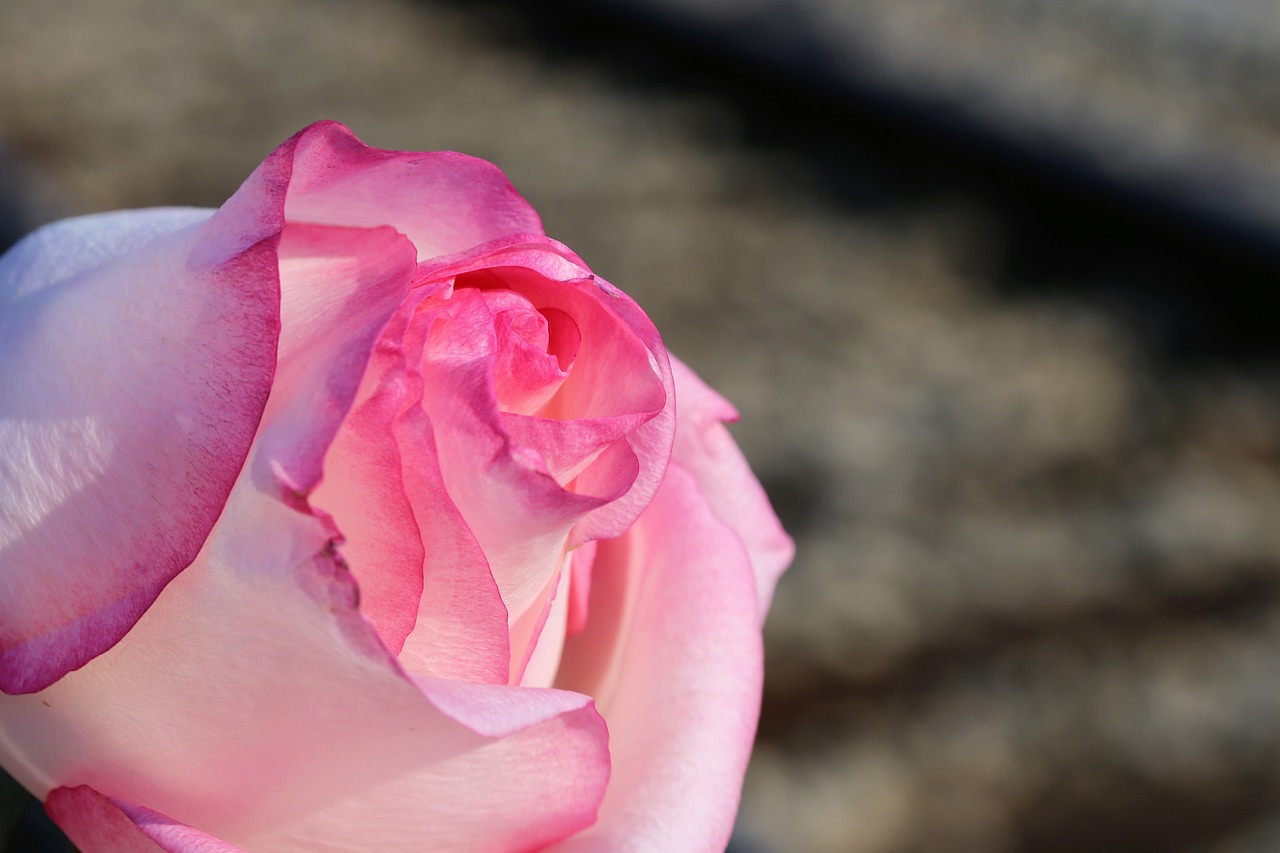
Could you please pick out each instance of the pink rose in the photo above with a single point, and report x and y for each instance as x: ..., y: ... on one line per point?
x: 359, y: 515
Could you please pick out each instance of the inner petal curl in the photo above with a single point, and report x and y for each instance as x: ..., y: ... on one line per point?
x: 535, y: 352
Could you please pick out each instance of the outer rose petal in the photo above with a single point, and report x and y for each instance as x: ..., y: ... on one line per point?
x: 141, y: 349
x: 672, y: 650
x: 99, y: 824
x: 705, y: 447
x: 339, y: 286
x: 442, y: 201
x: 249, y: 672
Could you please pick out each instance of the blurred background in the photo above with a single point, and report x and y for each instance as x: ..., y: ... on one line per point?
x: 991, y: 281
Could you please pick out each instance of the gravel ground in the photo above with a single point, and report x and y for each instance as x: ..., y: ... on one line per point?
x: 1037, y: 599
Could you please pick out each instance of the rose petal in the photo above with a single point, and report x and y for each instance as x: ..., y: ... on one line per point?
x: 442, y: 201
x: 672, y: 652
x: 363, y: 489
x: 707, y: 450
x: 264, y: 628
x: 103, y: 825
x: 146, y: 343
x: 340, y: 288
x: 461, y: 628
x: 540, y: 652
x: 651, y: 442
x: 583, y: 558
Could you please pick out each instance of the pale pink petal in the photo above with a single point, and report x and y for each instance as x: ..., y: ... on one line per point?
x: 540, y: 657
x: 424, y: 582
x: 461, y: 628
x: 672, y: 652
x: 256, y: 666
x: 570, y: 447
x: 706, y: 448
x: 582, y: 559
x: 364, y: 491
x: 98, y: 824
x: 651, y: 442
x: 340, y: 288
x: 142, y: 347
x: 444, y: 202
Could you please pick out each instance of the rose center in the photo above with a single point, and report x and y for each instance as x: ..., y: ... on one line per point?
x: 536, y: 349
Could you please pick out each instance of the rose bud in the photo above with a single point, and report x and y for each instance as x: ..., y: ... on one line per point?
x: 360, y: 515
